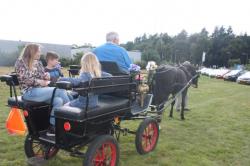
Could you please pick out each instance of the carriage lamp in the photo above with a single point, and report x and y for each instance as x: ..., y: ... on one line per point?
x: 142, y: 90
x: 67, y: 126
x: 116, y: 120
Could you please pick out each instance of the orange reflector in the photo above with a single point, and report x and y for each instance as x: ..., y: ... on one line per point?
x: 25, y: 113
x: 15, y: 123
x: 67, y: 126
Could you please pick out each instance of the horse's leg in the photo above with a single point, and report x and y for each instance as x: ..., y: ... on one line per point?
x: 184, y: 93
x: 159, y: 113
x: 171, y: 111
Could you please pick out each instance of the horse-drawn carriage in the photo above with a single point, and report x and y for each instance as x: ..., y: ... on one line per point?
x: 98, y: 128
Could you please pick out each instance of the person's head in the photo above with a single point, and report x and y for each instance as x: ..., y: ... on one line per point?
x: 52, y: 59
x: 90, y: 63
x: 151, y: 65
x: 30, y: 53
x: 112, y: 37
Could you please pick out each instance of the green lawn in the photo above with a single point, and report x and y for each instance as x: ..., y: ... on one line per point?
x: 216, y: 132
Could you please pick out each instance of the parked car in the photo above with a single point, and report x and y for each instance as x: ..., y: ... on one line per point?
x: 202, y: 70
x: 221, y: 72
x: 208, y: 71
x: 244, y: 78
x: 233, y: 75
x: 213, y: 72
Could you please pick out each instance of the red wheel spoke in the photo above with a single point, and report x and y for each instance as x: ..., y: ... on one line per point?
x: 103, y: 152
x: 105, y: 155
x: 98, y: 157
x: 149, y: 137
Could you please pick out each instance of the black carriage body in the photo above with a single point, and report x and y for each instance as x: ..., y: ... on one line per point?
x: 77, y: 127
x: 115, y: 99
x: 116, y: 95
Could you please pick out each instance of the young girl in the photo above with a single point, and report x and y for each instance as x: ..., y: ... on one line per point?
x: 34, y: 81
x: 90, y: 68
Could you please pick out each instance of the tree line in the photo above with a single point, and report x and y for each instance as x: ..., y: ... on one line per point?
x: 223, y: 47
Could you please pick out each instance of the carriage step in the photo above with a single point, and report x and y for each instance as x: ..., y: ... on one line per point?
x: 137, y: 108
x: 44, y: 137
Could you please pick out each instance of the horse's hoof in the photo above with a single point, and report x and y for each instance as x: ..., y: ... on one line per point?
x: 182, y: 118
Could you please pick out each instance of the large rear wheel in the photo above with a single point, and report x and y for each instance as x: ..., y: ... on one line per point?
x: 34, y: 148
x: 103, y: 151
x: 147, y: 136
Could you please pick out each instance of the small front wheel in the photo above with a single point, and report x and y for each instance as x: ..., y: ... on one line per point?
x: 104, y: 150
x: 34, y: 148
x: 147, y: 136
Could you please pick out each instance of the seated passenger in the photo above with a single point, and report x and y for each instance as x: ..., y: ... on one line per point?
x: 90, y: 68
x: 111, y: 51
x: 54, y: 69
x: 53, y: 66
x: 34, y: 81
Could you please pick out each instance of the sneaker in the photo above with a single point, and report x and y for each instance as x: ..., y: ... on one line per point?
x: 51, y: 131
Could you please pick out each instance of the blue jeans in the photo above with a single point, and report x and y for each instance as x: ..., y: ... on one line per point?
x: 44, y: 94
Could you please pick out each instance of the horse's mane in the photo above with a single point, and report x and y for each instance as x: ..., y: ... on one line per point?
x: 190, y: 68
x: 186, y: 71
x: 163, y: 68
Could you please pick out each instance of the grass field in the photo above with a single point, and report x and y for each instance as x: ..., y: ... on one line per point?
x: 216, y: 132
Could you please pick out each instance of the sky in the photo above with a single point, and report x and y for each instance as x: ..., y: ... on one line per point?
x: 88, y: 21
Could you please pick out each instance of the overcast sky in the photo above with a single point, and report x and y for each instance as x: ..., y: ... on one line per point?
x: 87, y: 21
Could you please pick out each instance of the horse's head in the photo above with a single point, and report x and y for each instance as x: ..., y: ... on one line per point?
x: 195, y: 81
x: 193, y: 72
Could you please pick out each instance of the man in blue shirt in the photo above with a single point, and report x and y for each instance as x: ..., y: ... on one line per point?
x: 111, y: 51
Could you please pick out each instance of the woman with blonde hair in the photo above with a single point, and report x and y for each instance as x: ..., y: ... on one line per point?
x: 34, y: 81
x: 90, y: 68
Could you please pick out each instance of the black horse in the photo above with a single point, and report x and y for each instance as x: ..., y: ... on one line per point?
x: 171, y: 80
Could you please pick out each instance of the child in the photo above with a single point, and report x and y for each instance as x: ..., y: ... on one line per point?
x: 90, y: 68
x: 53, y: 66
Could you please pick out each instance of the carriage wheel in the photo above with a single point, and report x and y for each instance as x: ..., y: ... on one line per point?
x: 103, y: 151
x: 34, y: 148
x: 147, y: 136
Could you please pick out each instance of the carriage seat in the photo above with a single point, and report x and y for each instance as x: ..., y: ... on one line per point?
x: 106, y: 104
x: 12, y: 102
x: 23, y: 103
